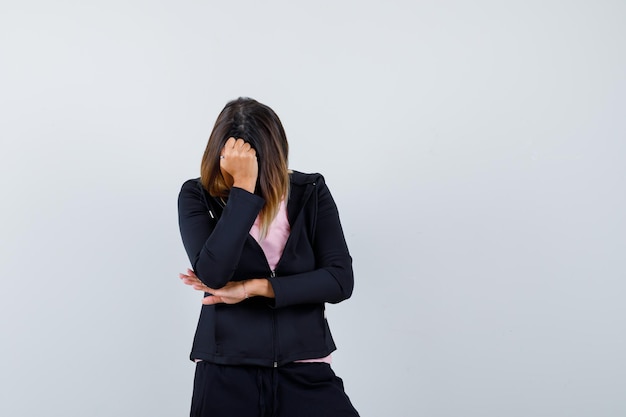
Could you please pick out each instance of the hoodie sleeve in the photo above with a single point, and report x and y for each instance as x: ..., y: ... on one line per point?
x: 214, y: 248
x: 332, y: 280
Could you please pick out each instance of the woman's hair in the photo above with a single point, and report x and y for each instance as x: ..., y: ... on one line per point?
x: 258, y: 125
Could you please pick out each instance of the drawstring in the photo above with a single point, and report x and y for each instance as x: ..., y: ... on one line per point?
x: 275, y: 391
x: 259, y: 382
x: 262, y: 374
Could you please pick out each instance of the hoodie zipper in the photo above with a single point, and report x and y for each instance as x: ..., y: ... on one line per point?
x: 271, y: 275
x: 274, y: 330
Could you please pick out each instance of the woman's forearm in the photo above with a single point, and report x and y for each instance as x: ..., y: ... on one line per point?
x: 214, y: 248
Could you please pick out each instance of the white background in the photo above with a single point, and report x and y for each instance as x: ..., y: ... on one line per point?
x: 476, y: 151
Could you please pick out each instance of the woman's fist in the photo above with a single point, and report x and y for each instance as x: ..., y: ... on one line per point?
x: 238, y: 160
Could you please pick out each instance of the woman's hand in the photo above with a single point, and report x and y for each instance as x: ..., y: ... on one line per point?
x: 232, y: 293
x: 238, y: 160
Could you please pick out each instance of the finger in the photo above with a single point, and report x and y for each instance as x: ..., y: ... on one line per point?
x: 197, y: 285
x: 230, y: 143
x: 192, y: 282
x: 202, y: 288
x: 211, y: 300
x: 239, y: 144
x: 252, y: 152
x: 186, y: 277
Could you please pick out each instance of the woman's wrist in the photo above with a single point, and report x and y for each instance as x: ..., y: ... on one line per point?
x: 248, y: 185
x: 259, y: 287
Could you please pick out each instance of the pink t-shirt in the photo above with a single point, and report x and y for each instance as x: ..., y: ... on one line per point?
x: 273, y: 245
x: 277, y: 234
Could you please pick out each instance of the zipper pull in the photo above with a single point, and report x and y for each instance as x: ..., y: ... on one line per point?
x: 211, y: 214
x: 275, y: 364
x: 273, y: 274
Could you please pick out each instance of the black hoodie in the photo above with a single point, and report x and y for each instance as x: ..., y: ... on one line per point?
x: 315, y: 268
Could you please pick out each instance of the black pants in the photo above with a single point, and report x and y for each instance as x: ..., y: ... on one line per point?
x: 292, y: 390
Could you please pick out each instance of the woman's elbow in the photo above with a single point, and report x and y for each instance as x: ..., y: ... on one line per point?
x: 345, y: 281
x: 211, y: 277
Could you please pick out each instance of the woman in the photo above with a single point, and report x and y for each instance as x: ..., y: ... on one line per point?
x: 267, y: 248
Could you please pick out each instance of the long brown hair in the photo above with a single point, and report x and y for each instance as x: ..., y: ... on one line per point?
x: 258, y: 125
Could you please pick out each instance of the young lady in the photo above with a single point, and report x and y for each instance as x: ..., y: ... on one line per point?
x: 267, y: 248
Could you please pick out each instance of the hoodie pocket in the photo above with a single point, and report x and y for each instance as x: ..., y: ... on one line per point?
x: 244, y: 330
x: 302, y: 328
